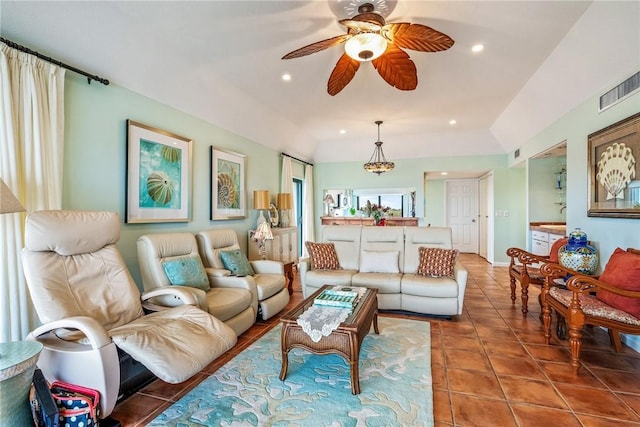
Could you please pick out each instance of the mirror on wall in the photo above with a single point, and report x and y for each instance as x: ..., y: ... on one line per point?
x: 349, y: 202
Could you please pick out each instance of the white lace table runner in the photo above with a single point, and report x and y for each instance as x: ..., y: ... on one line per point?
x: 319, y: 321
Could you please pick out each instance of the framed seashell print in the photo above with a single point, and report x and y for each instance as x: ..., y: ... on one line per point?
x: 614, y: 170
x: 158, y: 175
x: 227, y: 185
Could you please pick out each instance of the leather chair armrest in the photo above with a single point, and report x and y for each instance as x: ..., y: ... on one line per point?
x: 217, y: 272
x: 243, y: 282
x: 96, y: 334
x: 267, y: 267
x: 186, y: 294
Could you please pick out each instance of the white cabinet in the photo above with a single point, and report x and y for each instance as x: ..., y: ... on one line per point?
x: 283, y: 247
x: 539, y: 243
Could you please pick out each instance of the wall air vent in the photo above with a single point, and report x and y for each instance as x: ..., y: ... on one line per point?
x: 620, y: 92
x: 516, y: 154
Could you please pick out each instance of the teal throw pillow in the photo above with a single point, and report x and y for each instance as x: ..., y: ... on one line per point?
x: 236, y: 262
x: 186, y: 271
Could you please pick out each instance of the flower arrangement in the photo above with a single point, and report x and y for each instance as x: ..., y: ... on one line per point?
x: 375, y: 211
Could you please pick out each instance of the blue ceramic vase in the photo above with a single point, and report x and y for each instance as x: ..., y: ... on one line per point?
x: 578, y: 255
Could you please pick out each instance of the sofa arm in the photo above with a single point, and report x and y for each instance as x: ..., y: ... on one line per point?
x: 267, y: 267
x: 460, y: 274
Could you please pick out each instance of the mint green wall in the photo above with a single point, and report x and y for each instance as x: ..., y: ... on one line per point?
x: 95, y: 159
x: 434, y: 202
x: 509, y: 196
x: 575, y: 127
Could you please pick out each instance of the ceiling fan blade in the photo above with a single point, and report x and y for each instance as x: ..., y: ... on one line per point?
x: 417, y: 37
x: 342, y: 74
x: 396, y: 68
x: 317, y: 46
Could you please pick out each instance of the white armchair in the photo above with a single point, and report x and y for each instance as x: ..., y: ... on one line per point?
x: 92, y: 311
x: 268, y: 279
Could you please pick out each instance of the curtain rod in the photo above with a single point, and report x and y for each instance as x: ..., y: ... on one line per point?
x: 295, y: 158
x: 54, y: 61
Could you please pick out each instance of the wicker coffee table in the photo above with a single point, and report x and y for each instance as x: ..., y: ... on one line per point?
x: 344, y: 341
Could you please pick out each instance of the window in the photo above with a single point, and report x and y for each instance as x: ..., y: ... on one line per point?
x: 394, y: 201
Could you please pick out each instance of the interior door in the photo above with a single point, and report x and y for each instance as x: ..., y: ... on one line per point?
x: 462, y: 213
x: 483, y: 217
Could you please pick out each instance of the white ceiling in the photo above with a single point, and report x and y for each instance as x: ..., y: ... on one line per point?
x: 220, y: 61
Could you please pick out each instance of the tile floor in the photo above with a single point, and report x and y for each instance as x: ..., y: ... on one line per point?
x: 490, y: 367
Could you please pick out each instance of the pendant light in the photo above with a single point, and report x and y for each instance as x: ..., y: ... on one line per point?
x: 378, y: 162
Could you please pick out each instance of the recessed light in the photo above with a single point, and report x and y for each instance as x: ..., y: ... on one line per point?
x: 477, y: 48
x: 444, y: 173
x: 452, y: 122
x: 342, y: 131
x: 286, y: 77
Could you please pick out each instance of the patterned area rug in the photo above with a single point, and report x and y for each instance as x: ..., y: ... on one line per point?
x: 395, y: 379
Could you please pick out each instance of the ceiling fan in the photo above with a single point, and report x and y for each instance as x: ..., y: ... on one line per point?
x: 370, y: 38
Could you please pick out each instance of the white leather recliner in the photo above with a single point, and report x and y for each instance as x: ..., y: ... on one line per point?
x: 268, y: 279
x: 92, y: 311
x: 235, y: 303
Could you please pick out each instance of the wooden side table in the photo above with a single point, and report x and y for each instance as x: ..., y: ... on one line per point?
x: 288, y: 273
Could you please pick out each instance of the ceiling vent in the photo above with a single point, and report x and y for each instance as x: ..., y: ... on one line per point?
x: 620, y: 92
x: 516, y: 154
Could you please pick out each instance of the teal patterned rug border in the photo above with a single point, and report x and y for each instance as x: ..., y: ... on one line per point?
x: 395, y: 379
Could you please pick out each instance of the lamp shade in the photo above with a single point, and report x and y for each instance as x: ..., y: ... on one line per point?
x: 8, y: 202
x: 284, y: 200
x: 263, y: 232
x: 261, y: 199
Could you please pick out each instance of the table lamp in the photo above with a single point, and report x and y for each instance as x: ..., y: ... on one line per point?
x: 284, y: 204
x: 260, y: 203
x: 262, y: 233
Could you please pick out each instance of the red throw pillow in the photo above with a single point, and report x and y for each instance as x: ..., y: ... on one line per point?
x: 323, y: 256
x: 436, y: 262
x: 555, y: 248
x: 623, y: 272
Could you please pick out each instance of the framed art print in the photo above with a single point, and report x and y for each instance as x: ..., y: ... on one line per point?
x: 158, y: 175
x: 614, y: 170
x: 228, y: 194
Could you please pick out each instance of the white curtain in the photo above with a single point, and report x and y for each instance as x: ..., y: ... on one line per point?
x: 31, y: 155
x: 308, y: 220
x: 286, y: 186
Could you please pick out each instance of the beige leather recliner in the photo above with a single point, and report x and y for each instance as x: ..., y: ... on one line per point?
x: 268, y: 279
x: 235, y: 303
x: 92, y: 311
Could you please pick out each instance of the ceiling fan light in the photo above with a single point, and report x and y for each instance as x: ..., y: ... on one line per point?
x: 365, y: 46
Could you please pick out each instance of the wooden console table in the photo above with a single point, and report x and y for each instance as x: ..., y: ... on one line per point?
x: 357, y: 220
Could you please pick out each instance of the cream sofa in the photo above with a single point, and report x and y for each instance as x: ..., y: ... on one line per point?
x: 377, y: 249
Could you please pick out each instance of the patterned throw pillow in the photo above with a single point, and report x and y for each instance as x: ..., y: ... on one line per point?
x: 236, y: 262
x: 323, y: 256
x: 186, y: 271
x: 436, y: 262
